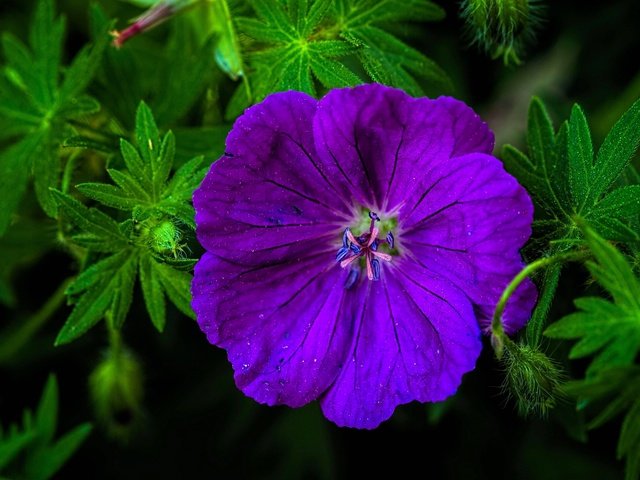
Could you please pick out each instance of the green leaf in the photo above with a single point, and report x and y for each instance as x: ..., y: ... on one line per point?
x: 177, y: 284
x: 608, y: 330
x: 10, y: 448
x: 616, y: 151
x: 566, y: 183
x: 47, y: 413
x: 299, y: 42
x: 90, y: 220
x: 147, y: 136
x: 108, y: 195
x: 110, y: 291
x: 37, y: 106
x: 622, y: 202
x: 48, y: 461
x: 15, y: 166
x: 580, y: 156
x: 153, y: 292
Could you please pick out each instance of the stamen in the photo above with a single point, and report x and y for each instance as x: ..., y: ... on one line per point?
x: 343, y: 252
x: 382, y: 256
x: 364, y: 246
x: 348, y: 261
x: 374, y: 235
x: 375, y: 265
x: 345, y: 238
x: 369, y: 268
x: 351, y: 280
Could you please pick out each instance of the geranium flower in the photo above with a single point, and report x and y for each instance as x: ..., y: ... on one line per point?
x: 355, y: 248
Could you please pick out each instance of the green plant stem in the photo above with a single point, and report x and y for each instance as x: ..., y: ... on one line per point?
x: 499, y: 337
x: 14, y: 341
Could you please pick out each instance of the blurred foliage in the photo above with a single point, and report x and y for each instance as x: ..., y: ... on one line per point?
x: 101, y: 148
x: 30, y: 451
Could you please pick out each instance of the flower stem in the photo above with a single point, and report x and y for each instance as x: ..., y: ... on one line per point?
x: 498, y: 336
x: 14, y: 341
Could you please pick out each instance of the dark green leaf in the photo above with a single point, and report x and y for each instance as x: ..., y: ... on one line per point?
x: 47, y: 413
x: 177, y: 284
x: 147, y: 136
x: 15, y: 165
x: 580, y: 156
x: 89, y: 220
x: 616, y: 151
x: 109, y: 291
x: 48, y: 461
x: 152, y: 291
x: 108, y: 195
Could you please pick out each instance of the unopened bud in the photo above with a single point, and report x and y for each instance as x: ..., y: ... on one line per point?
x: 532, y: 379
x: 116, y: 390
x: 501, y: 27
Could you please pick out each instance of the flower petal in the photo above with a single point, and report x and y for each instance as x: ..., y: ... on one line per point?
x: 415, y: 337
x: 286, y: 327
x: 471, y: 133
x: 268, y: 194
x: 373, y: 139
x: 468, y: 225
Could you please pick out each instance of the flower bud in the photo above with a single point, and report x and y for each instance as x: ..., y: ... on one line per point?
x: 116, y: 390
x: 501, y: 27
x: 531, y: 378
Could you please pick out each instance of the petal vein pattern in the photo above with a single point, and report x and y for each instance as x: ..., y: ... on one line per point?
x: 355, y: 246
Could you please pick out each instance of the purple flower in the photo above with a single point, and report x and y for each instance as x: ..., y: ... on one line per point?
x: 355, y: 249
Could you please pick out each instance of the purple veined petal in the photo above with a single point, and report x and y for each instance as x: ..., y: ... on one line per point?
x: 468, y: 225
x: 416, y: 336
x: 471, y: 133
x: 380, y: 139
x: 269, y: 193
x: 286, y: 328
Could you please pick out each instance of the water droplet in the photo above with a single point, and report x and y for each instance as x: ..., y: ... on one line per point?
x: 245, y: 366
x: 315, y: 360
x: 261, y: 316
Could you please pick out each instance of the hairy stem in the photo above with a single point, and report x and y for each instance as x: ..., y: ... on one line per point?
x: 499, y: 337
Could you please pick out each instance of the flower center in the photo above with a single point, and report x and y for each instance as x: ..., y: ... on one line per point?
x: 365, y: 246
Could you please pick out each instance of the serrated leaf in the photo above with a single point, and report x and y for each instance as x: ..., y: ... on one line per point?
x: 134, y: 163
x: 109, y: 291
x: 38, y: 106
x: 580, y: 156
x: 609, y: 330
x: 165, y: 163
x: 123, y: 291
x: 564, y: 181
x: 15, y: 166
x: 616, y: 151
x: 90, y: 220
x: 153, y: 292
x: 97, y: 272
x: 108, y: 195
x: 129, y: 185
x: 623, y: 202
x: 147, y: 136
x: 177, y: 284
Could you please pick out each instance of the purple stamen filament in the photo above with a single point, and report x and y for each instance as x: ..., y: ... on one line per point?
x: 365, y: 246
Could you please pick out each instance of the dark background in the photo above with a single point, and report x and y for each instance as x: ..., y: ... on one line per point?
x: 196, y: 424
